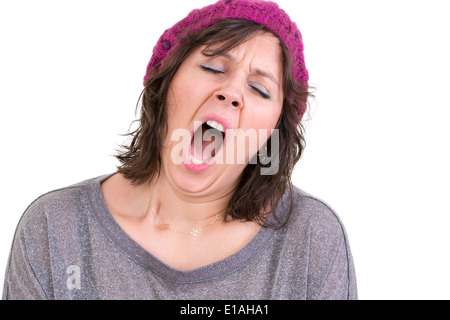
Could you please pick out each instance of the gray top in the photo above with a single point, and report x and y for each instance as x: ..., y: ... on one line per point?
x: 68, y: 246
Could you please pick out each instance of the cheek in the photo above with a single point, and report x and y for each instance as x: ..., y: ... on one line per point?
x: 261, y: 117
x: 256, y: 125
x: 181, y: 105
x: 186, y: 96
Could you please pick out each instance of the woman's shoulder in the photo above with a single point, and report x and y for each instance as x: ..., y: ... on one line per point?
x: 313, y: 223
x: 314, y: 212
x: 58, y: 204
x: 314, y: 227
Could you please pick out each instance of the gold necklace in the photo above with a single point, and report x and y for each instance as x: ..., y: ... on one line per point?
x: 194, y: 231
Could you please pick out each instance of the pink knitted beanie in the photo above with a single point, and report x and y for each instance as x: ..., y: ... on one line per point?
x: 266, y: 13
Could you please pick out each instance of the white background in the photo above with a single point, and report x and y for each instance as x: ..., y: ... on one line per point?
x: 377, y: 139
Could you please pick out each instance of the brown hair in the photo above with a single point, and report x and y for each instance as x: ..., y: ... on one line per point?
x: 255, y: 193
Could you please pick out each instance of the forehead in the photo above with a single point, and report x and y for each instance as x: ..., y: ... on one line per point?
x: 263, y: 44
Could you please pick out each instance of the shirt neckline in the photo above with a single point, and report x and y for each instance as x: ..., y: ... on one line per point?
x: 136, y: 252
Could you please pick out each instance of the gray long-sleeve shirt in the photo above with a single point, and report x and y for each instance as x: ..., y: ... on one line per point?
x: 68, y: 246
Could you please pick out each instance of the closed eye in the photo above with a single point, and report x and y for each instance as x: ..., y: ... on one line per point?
x: 208, y: 69
x: 215, y: 71
x: 261, y: 92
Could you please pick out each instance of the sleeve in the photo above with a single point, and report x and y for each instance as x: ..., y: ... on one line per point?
x: 331, y: 273
x: 28, y: 259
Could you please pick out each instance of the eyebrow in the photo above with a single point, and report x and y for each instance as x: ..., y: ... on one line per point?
x: 258, y: 71
x: 267, y: 75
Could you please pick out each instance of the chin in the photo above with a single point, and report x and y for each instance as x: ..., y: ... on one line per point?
x: 216, y: 178
x: 188, y: 181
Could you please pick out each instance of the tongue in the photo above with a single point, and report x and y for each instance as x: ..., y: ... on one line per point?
x: 208, y: 139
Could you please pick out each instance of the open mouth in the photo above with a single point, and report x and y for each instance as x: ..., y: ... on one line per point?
x: 206, y: 142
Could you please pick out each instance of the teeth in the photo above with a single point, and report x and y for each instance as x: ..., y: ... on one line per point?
x: 215, y: 125
x: 196, y: 161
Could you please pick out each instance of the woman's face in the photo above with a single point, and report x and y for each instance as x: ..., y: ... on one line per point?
x: 236, y: 98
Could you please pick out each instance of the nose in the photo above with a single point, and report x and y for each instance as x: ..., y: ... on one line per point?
x: 229, y: 97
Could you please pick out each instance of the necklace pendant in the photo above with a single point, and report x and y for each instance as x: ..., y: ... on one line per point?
x: 194, y: 232
x: 165, y: 226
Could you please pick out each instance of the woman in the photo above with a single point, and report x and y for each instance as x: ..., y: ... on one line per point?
x: 202, y: 205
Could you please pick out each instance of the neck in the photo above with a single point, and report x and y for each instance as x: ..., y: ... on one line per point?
x: 182, y: 211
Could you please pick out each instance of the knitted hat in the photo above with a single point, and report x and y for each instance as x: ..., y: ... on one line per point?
x: 266, y: 13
